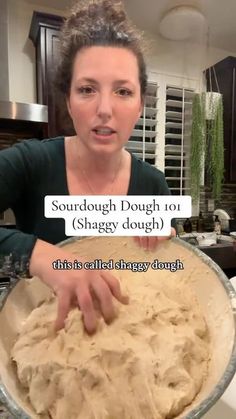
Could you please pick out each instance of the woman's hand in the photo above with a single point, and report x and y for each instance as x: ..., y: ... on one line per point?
x: 85, y: 288
x: 151, y: 242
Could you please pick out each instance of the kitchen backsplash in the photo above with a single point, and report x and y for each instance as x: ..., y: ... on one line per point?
x: 227, y: 201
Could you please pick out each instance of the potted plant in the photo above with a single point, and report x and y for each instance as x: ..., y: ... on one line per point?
x: 212, y: 100
x: 198, y: 141
x: 215, y: 140
x: 207, y: 142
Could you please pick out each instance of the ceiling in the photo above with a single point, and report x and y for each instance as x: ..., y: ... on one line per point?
x: 146, y: 14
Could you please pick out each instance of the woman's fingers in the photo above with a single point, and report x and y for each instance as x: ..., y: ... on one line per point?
x: 103, y: 287
x: 104, y: 296
x: 150, y: 243
x: 63, y: 308
x: 86, y: 306
x: 173, y: 232
x: 145, y: 242
x: 141, y: 241
x: 93, y: 292
x: 114, y: 286
x: 137, y: 240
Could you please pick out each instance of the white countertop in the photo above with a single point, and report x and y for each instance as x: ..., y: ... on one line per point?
x: 220, y: 411
x: 195, y: 234
x: 225, y: 408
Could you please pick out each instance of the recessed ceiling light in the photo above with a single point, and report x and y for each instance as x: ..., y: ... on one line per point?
x: 182, y: 22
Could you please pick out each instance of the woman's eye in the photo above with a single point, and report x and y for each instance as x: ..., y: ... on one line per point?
x: 124, y: 92
x: 85, y: 90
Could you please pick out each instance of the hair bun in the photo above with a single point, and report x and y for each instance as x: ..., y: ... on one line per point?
x: 112, y: 11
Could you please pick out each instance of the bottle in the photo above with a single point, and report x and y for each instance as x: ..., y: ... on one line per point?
x: 180, y: 228
x: 217, y: 225
x: 200, y: 223
x: 188, y: 226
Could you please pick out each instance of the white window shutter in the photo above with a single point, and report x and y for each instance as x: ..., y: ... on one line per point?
x: 142, y: 142
x: 162, y: 135
x: 177, y: 139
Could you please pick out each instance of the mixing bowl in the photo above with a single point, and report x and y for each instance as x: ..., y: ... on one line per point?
x: 215, y: 294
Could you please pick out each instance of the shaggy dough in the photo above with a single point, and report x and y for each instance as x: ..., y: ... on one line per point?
x: 148, y: 364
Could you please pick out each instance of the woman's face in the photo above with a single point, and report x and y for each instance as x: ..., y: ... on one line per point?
x: 105, y: 100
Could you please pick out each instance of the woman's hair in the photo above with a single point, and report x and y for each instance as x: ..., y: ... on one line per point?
x: 97, y: 23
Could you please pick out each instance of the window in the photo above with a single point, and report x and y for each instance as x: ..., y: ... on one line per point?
x: 177, y: 139
x: 163, y: 133
x: 144, y: 137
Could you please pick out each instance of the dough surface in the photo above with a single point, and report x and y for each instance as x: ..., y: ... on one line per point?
x: 150, y: 363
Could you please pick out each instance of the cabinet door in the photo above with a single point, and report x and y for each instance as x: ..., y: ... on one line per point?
x: 59, y: 120
x: 232, y: 139
x: 44, y: 32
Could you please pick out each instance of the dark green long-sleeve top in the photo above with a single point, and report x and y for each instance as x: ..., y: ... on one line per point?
x: 32, y: 169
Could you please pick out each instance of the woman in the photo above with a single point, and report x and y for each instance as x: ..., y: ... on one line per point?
x: 102, y: 75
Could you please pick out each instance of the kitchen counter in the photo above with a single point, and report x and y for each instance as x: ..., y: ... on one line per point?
x: 220, y: 411
x: 4, y: 414
x: 223, y: 252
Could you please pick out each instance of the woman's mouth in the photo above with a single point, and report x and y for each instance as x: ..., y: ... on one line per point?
x: 103, y: 132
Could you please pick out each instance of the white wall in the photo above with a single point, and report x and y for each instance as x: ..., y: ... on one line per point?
x: 22, y: 72
x: 182, y: 58
x: 179, y: 58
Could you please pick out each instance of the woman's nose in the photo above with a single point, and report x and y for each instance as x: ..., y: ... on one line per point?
x: 104, y: 106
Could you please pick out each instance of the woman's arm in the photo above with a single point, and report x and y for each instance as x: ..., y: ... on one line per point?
x: 18, y: 169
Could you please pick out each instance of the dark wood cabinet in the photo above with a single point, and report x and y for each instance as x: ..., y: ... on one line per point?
x: 224, y: 73
x: 44, y: 33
